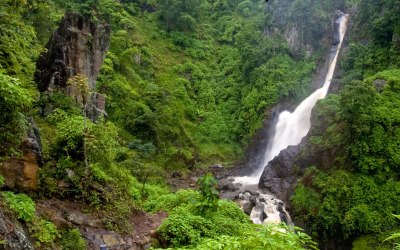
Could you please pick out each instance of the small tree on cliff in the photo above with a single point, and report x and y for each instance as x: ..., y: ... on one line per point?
x: 80, y: 89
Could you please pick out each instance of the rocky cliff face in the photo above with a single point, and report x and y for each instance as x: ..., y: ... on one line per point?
x: 305, y: 26
x: 78, y: 46
x: 281, y: 174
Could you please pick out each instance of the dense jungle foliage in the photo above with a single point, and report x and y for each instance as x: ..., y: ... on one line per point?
x: 187, y: 84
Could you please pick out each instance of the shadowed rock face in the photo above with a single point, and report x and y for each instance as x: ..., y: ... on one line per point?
x: 279, y: 176
x: 259, y: 143
x: 14, y: 235
x: 78, y: 46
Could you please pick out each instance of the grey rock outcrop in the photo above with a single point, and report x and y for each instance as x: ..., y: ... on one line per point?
x: 77, y: 47
x: 379, y: 84
x: 14, y: 235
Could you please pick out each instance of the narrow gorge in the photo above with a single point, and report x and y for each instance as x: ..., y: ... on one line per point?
x: 290, y: 129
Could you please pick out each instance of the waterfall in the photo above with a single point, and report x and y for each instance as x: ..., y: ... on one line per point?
x: 292, y: 127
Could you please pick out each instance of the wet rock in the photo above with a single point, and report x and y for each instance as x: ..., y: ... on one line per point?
x: 259, y: 143
x: 247, y: 206
x: 229, y: 195
x: 14, y: 235
x: 245, y: 196
x: 336, y: 28
x: 229, y: 187
x: 264, y: 216
x: 251, y: 192
x: 280, y: 173
x: 253, y: 200
x: 217, y: 167
x: 282, y: 216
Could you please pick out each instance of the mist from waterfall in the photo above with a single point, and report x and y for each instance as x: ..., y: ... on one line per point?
x: 292, y: 127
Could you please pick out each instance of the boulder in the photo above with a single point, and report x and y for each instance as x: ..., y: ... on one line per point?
x: 247, y: 207
x: 280, y: 174
x: 228, y: 185
x: 379, y: 84
x: 217, y: 167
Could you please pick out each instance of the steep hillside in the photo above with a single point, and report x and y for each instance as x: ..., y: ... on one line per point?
x: 102, y: 101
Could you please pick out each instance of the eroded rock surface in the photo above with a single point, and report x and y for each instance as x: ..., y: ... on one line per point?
x: 14, y: 235
x: 78, y: 46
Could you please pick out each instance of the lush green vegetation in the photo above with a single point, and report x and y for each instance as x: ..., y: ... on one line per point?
x: 357, y: 193
x: 43, y: 232
x: 187, y: 83
x: 199, y: 220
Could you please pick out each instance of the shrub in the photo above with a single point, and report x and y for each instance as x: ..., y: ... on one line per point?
x: 170, y: 201
x: 277, y: 237
x: 45, y: 232
x: 184, y: 228
x: 209, y: 193
x: 72, y: 240
x: 14, y: 100
x: 21, y: 204
x: 395, y: 237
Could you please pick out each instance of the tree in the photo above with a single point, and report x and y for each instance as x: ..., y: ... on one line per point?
x: 208, y: 190
x: 14, y: 100
x: 180, y: 14
x: 80, y: 88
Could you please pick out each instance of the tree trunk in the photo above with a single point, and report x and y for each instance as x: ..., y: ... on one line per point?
x: 85, y: 158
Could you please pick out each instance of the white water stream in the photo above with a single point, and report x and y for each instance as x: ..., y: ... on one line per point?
x: 292, y: 127
x: 289, y: 130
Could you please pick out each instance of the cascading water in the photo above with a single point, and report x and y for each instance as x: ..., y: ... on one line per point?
x: 292, y: 127
x: 289, y: 130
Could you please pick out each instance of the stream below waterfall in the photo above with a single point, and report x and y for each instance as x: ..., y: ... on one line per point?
x: 289, y: 130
